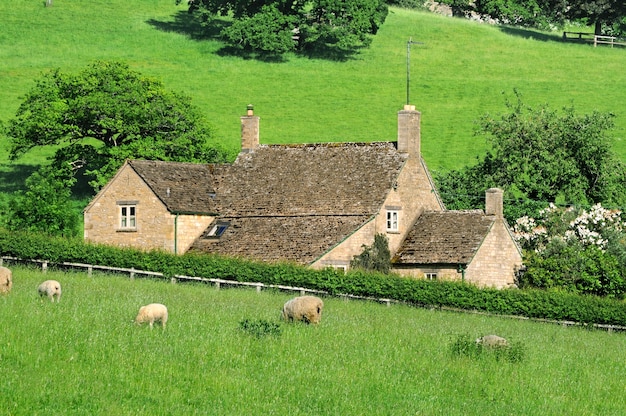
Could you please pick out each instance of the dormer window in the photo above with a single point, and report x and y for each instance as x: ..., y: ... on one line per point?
x: 393, y: 219
x: 218, y: 229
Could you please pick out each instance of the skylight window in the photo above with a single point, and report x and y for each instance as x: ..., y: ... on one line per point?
x: 218, y: 229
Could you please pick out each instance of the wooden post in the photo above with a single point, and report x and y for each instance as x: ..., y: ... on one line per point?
x: 89, y: 270
x: 48, y: 3
x: 44, y: 266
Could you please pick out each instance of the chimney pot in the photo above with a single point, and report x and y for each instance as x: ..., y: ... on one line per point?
x: 250, y: 109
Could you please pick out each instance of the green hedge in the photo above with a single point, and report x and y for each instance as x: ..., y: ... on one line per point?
x: 553, y: 305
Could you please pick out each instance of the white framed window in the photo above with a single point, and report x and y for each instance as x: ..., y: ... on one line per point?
x: 430, y: 276
x: 393, y: 219
x: 128, y: 217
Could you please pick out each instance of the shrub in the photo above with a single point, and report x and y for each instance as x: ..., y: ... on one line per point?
x: 259, y: 328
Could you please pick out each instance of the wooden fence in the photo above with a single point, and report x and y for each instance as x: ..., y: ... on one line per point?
x: 259, y: 286
x: 218, y: 283
x: 593, y: 38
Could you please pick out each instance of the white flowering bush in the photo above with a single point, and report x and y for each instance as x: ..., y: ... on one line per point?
x: 583, y: 251
x: 587, y: 228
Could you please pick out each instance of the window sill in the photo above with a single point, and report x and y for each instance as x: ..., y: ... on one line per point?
x: 126, y: 230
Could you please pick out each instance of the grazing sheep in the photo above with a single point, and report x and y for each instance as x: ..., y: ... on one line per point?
x: 51, y: 289
x: 152, y: 313
x: 304, y: 308
x: 492, y: 341
x: 6, y: 280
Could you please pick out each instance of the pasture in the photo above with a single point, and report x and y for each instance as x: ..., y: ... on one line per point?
x: 84, y: 356
x: 458, y: 73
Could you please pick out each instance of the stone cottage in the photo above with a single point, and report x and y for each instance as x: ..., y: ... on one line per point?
x: 313, y: 204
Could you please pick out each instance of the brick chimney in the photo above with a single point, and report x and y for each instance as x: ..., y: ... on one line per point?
x: 493, y: 202
x: 249, y: 130
x: 409, y: 130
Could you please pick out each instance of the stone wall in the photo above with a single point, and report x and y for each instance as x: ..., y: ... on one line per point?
x: 155, y: 225
x: 496, y: 261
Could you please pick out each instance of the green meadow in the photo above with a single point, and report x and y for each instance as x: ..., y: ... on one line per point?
x: 84, y: 356
x: 461, y: 71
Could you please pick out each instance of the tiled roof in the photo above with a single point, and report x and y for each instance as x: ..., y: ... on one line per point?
x: 319, y: 179
x: 295, y: 202
x: 283, y: 202
x: 191, y: 186
x: 448, y: 237
x: 300, y: 239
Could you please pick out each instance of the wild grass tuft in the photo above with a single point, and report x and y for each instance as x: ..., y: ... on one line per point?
x: 260, y: 327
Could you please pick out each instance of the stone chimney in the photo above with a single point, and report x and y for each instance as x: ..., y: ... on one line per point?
x: 493, y: 202
x: 249, y: 130
x: 409, y: 131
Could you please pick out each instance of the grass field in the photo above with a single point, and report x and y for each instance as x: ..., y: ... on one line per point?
x: 458, y: 74
x: 83, y: 356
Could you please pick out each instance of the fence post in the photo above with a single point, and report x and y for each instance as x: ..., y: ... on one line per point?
x: 44, y: 267
x: 217, y: 285
x: 132, y: 272
x: 89, y: 270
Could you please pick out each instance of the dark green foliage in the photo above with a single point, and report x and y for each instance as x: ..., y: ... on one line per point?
x: 376, y: 257
x: 279, y: 26
x: 540, y: 156
x: 45, y: 206
x: 605, y: 15
x: 574, y: 268
x: 106, y: 114
x: 553, y: 305
x: 260, y: 328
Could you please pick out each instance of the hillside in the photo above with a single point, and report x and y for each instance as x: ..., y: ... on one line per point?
x: 458, y: 74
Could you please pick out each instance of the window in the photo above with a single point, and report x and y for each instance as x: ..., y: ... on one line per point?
x: 218, y: 229
x: 128, y: 217
x: 392, y: 220
x: 430, y: 276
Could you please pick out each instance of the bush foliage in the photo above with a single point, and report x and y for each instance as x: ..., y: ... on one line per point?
x: 553, y: 304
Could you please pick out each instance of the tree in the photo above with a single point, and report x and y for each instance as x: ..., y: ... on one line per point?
x: 540, y: 156
x: 375, y: 257
x: 105, y: 114
x: 45, y: 206
x: 600, y: 13
x: 279, y: 26
x: 607, y: 16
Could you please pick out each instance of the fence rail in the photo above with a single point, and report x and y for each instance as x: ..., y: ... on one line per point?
x: 593, y: 38
x: 259, y: 286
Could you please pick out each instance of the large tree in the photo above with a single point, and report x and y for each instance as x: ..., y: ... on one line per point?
x: 607, y: 16
x: 278, y: 26
x: 539, y: 155
x: 105, y: 114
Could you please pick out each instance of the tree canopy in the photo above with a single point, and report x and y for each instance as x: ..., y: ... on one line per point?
x: 607, y: 16
x: 279, y: 26
x: 105, y: 114
x: 538, y: 156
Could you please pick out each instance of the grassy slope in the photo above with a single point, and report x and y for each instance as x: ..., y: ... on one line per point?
x: 458, y: 74
x: 84, y: 356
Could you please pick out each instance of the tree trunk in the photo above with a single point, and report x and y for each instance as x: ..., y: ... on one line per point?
x: 598, y: 29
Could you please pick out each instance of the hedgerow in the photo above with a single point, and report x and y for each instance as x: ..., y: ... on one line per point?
x: 533, y: 303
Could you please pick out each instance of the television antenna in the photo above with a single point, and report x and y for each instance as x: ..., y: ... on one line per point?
x: 408, y: 66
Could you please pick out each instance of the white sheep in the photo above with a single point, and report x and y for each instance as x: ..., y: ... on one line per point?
x: 152, y: 313
x: 492, y: 341
x: 304, y: 308
x: 51, y: 289
x: 6, y: 280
